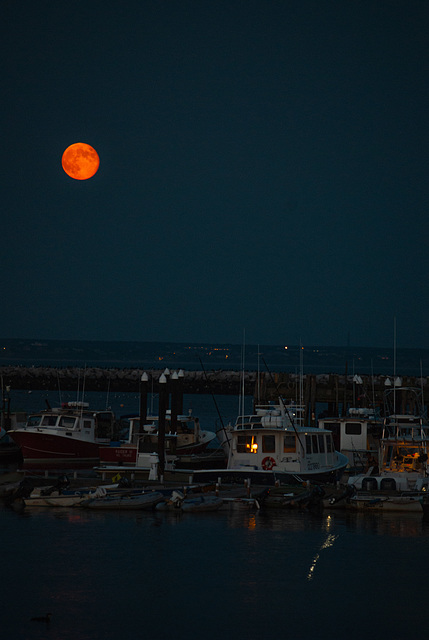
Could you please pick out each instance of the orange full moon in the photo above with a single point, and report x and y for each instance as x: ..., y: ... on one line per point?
x: 80, y: 161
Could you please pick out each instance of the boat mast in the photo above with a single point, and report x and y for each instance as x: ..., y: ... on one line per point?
x: 241, y: 398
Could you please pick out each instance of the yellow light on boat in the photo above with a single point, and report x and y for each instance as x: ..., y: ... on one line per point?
x: 254, y: 447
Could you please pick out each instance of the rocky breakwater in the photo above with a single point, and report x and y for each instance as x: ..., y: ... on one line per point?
x: 128, y: 380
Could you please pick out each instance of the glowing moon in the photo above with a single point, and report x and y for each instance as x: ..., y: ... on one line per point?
x: 80, y: 161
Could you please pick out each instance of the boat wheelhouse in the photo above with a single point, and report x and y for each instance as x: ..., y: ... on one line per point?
x: 357, y: 436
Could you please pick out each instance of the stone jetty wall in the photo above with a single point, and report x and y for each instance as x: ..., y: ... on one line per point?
x: 126, y: 380
x: 334, y: 389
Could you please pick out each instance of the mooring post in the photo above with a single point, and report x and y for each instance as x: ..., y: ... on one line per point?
x: 163, y: 402
x: 174, y: 402
x: 143, y: 399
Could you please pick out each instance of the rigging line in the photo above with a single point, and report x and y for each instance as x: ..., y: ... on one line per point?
x: 283, y: 405
x: 214, y: 400
x: 59, y: 387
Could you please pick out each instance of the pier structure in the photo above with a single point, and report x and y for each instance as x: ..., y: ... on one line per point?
x: 338, y: 392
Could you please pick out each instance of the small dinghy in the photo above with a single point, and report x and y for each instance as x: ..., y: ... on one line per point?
x: 131, y: 501
x: 202, y: 503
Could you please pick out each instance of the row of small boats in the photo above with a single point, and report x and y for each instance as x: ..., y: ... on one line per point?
x: 117, y: 496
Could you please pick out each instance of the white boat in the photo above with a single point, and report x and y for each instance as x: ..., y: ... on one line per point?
x: 269, y: 445
x: 59, y: 495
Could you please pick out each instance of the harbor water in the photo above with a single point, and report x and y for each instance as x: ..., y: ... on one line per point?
x: 238, y: 574
x: 235, y: 573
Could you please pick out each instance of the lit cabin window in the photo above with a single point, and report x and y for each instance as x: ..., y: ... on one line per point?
x: 268, y: 444
x: 289, y: 445
x: 246, y: 444
x: 353, y: 428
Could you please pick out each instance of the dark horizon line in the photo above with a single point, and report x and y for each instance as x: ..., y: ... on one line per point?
x: 35, y: 341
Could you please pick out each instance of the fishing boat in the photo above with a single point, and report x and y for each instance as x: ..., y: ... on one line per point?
x: 189, y: 438
x: 69, y: 436
x: 269, y: 446
x: 404, y: 448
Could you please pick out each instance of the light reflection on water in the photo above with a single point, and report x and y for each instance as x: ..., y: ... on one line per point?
x: 243, y: 573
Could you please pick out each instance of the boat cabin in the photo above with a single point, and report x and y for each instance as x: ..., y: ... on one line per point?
x: 355, y: 436
x: 269, y: 440
x: 73, y: 418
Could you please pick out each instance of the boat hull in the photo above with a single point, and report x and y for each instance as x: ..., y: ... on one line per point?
x: 260, y: 477
x: 50, y: 451
x: 412, y: 504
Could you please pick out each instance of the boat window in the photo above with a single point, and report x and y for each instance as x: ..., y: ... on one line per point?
x: 315, y: 444
x: 321, y: 443
x: 246, y: 444
x: 49, y: 421
x: 87, y: 424
x: 353, y: 428
x: 329, y: 443
x: 67, y: 421
x: 268, y: 444
x: 289, y: 445
x: 308, y: 443
x: 332, y: 426
x: 33, y: 421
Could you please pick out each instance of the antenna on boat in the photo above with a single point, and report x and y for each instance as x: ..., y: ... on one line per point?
x: 243, y: 358
x: 214, y: 400
x: 259, y: 380
x: 394, y: 366
x: 83, y: 390
x: 285, y: 409
x: 107, y: 395
x: 59, y: 388
x: 301, y: 374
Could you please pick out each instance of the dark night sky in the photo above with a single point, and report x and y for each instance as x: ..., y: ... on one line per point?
x: 263, y: 171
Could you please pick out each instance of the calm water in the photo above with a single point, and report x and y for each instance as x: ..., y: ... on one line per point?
x: 242, y: 575
x: 227, y: 574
